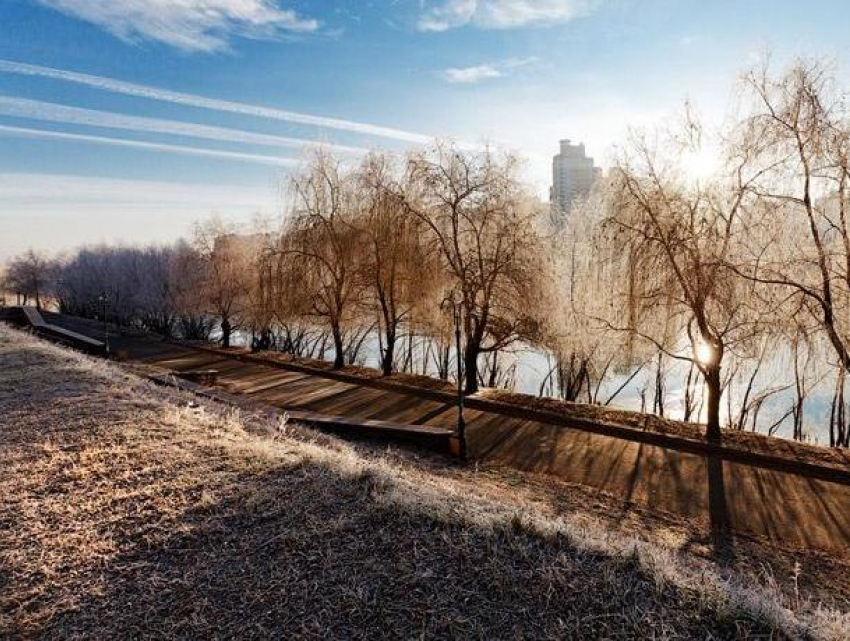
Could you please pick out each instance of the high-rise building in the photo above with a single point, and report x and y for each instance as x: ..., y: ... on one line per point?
x: 573, y: 175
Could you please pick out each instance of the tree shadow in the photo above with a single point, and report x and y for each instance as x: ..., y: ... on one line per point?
x: 718, y: 512
x: 302, y: 552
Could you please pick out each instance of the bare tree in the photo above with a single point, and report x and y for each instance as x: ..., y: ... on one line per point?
x: 586, y: 351
x: 795, y: 129
x: 396, y: 266
x: 226, y: 267
x: 188, y: 277
x: 320, y: 251
x: 673, y: 237
x: 29, y: 277
x: 479, y: 223
x: 131, y: 285
x: 263, y: 288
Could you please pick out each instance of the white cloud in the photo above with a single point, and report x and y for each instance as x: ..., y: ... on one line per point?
x: 477, y: 73
x: 52, y: 112
x: 502, y: 14
x: 201, y: 102
x: 192, y: 25
x: 469, y: 75
x: 27, y: 132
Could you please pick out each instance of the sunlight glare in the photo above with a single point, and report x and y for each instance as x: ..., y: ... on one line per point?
x: 704, y: 352
x: 699, y: 164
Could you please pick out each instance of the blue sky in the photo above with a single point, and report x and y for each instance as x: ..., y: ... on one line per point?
x: 87, y: 159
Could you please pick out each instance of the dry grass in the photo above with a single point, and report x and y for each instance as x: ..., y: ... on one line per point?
x: 127, y: 512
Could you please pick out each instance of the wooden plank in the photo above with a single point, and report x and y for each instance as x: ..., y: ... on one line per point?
x: 188, y: 361
x: 290, y: 393
x: 33, y: 317
x: 261, y: 382
x: 74, y: 337
x: 353, y: 403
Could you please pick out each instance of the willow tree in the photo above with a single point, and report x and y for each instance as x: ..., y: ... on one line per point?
x: 397, y: 270
x: 674, y: 237
x: 577, y: 294
x: 319, y: 256
x: 478, y: 223
x: 226, y: 264
x: 795, y: 130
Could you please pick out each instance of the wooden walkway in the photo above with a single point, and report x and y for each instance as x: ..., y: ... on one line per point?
x: 35, y: 319
x: 787, y: 508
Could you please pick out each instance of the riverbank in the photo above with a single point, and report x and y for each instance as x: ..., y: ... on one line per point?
x: 745, y: 441
x: 133, y: 509
x: 571, y: 413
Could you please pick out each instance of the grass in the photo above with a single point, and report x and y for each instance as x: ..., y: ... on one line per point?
x: 133, y: 511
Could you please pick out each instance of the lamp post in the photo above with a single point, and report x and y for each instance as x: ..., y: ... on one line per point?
x: 103, y: 299
x: 456, y: 310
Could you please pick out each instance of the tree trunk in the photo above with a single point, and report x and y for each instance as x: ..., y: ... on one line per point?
x: 470, y: 369
x: 339, y: 355
x: 263, y: 342
x: 226, y: 329
x: 388, y: 356
x: 712, y: 384
x: 494, y: 370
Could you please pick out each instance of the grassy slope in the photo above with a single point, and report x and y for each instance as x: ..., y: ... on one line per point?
x: 124, y: 511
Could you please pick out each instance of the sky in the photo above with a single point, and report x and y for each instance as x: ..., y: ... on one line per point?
x: 129, y: 120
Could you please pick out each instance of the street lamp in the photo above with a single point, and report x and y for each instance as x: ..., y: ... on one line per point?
x: 104, y: 300
x: 450, y: 302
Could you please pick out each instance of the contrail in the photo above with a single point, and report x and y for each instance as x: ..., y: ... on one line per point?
x: 152, y: 146
x: 53, y: 112
x: 191, y: 100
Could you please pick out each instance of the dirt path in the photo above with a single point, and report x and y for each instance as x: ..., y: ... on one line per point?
x: 787, y: 509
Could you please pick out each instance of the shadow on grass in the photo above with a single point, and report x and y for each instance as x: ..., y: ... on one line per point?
x: 718, y: 511
x: 301, y: 552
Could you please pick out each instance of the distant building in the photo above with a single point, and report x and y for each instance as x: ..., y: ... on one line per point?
x: 573, y: 175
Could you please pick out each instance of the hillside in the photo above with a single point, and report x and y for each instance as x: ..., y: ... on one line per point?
x: 133, y: 510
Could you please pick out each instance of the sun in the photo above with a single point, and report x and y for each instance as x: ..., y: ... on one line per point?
x: 700, y: 164
x: 704, y: 353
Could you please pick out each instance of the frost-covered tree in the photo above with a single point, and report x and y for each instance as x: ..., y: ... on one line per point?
x: 795, y: 131
x: 29, y: 276
x: 133, y: 286
x: 675, y: 238
x: 577, y: 293
x: 478, y: 219
x: 318, y: 259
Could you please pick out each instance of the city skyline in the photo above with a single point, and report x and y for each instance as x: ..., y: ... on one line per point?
x: 120, y: 124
